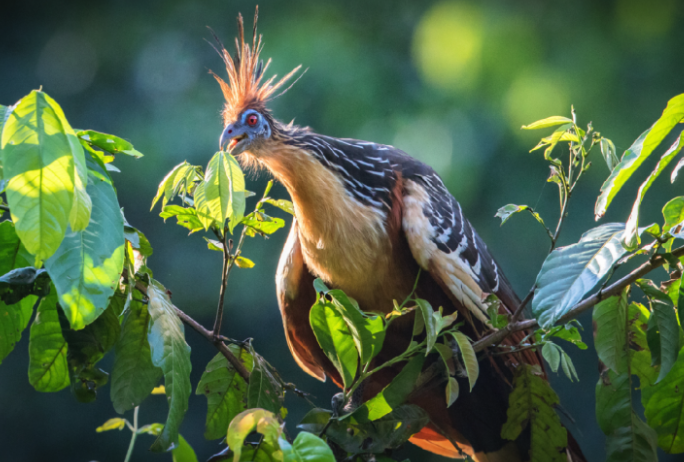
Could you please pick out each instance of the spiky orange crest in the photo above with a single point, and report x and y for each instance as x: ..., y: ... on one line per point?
x: 245, y: 88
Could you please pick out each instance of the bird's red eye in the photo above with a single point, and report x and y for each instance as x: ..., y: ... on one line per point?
x: 252, y: 120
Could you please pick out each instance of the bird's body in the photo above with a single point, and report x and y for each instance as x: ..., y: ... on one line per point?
x: 369, y: 220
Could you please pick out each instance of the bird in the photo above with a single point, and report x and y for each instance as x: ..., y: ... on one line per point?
x: 371, y: 220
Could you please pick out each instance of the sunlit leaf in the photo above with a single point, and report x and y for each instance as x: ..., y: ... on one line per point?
x: 79, y: 217
x: 356, y: 322
x: 133, y: 374
x: 179, y: 179
x: 263, y: 223
x: 244, y: 262
x: 110, y: 143
x: 675, y: 171
x: 532, y: 403
x: 282, y: 204
x: 222, y: 196
x: 673, y: 213
x: 170, y: 353
x: 628, y: 438
x: 469, y: 357
x: 631, y: 237
x: 334, y: 337
x: 570, y: 272
x: 640, y: 150
x: 394, y: 394
x: 187, y: 217
x: 183, y: 452
x: 226, y: 391
x: 548, y: 122
x: 307, y: 447
x: 48, y: 369
x: 116, y: 423
x: 243, y: 424
x: 87, y: 265
x: 665, y: 408
x: 38, y: 160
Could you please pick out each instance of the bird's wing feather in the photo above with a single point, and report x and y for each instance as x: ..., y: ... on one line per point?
x: 294, y: 285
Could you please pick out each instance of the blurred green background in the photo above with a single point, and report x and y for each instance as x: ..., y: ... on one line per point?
x: 450, y: 82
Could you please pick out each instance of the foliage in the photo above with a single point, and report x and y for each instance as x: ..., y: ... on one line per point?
x: 69, y: 254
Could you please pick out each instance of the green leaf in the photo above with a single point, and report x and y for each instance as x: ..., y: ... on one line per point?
x: 187, y: 217
x: 609, y: 153
x: 263, y: 223
x: 226, y: 391
x: 79, y: 217
x: 38, y: 160
x: 639, y: 152
x: 356, y: 322
x: 673, y: 213
x: 282, y: 204
x: 87, y: 265
x: 244, y: 262
x: 223, y: 195
x: 110, y: 143
x: 243, y: 424
x: 170, y: 353
x: 13, y: 320
x: 469, y: 357
x: 631, y: 238
x: 552, y: 354
x: 665, y: 408
x: 532, y: 403
x: 570, y: 272
x: 628, y: 438
x: 548, y: 122
x: 48, y: 369
x: 393, y: 395
x: 307, y: 447
x: 334, y: 337
x: 429, y: 322
x: 610, y: 319
x: 183, y: 452
x: 181, y: 176
x: 452, y: 390
x: 133, y: 374
x: 665, y: 322
x: 265, y: 390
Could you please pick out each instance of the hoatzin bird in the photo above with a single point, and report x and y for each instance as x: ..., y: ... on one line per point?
x: 367, y: 217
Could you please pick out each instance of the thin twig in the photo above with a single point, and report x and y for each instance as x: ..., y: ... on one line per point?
x: 131, y: 445
x: 224, y: 283
x: 584, y: 305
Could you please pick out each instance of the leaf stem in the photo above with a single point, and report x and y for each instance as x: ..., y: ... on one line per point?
x: 134, y: 435
x: 224, y: 283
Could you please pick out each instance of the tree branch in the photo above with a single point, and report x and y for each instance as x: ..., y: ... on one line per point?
x: 209, y: 335
x: 584, y: 305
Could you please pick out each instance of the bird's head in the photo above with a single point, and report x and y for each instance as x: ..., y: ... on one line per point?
x: 249, y: 126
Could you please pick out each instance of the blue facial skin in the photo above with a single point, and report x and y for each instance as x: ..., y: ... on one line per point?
x: 248, y: 136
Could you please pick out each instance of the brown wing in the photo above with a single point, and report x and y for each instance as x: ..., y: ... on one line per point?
x: 296, y: 295
x: 444, y: 243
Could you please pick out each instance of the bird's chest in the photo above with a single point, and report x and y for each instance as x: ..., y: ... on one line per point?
x: 358, y: 255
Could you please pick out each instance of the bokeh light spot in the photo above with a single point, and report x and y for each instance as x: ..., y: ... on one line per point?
x: 641, y: 19
x: 534, y: 95
x: 67, y: 64
x: 427, y: 140
x: 447, y: 45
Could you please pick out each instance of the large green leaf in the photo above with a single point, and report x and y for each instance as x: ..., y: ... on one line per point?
x: 87, y: 265
x: 133, y: 374
x: 226, y: 391
x: 38, y: 160
x: 222, y: 193
x: 356, y: 321
x: 532, y: 403
x: 394, y: 394
x: 187, y: 217
x: 571, y: 272
x: 265, y: 390
x: 628, y: 438
x: 180, y: 176
x: 307, y: 447
x: 639, y: 152
x: 665, y: 408
x: 335, y: 339
x: 48, y: 369
x: 170, y: 353
x: 663, y: 325
x: 610, y: 319
x: 631, y: 238
x: 79, y: 217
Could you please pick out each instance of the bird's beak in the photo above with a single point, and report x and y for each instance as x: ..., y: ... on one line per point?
x: 233, y: 139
